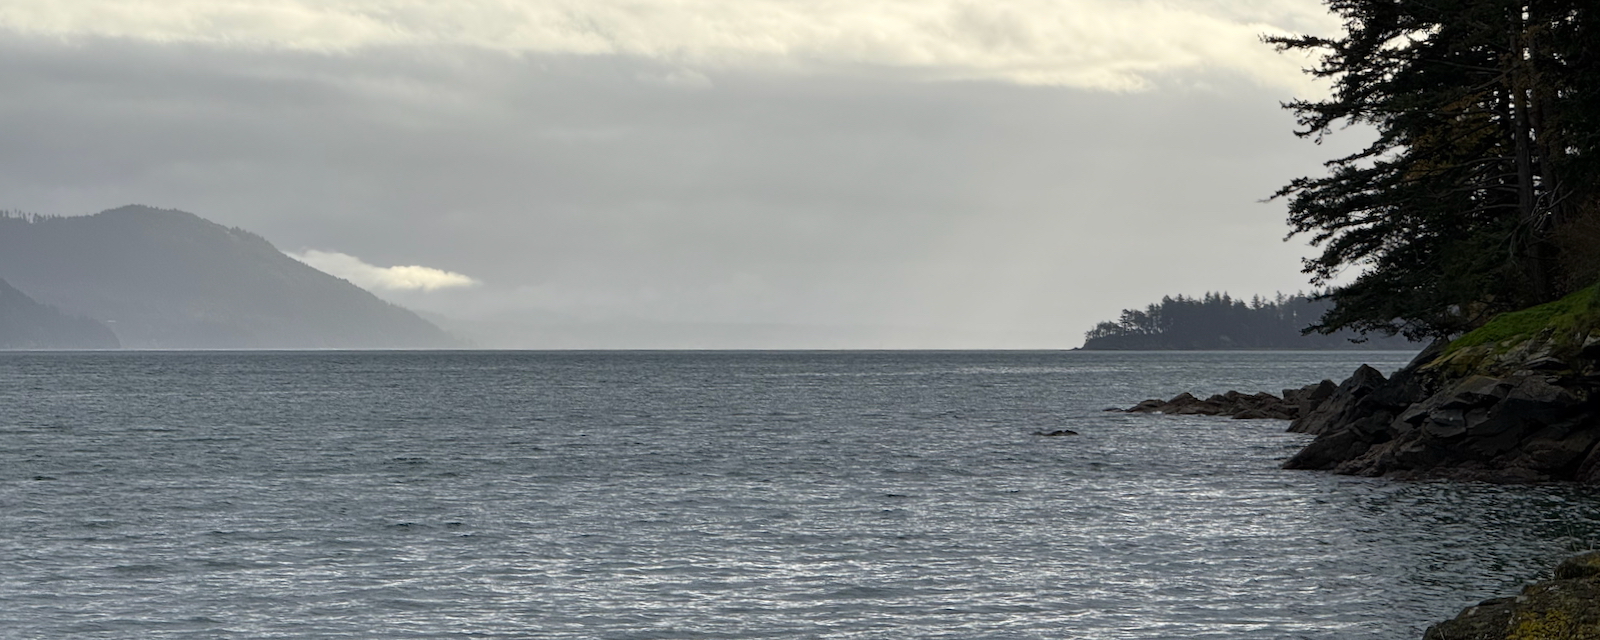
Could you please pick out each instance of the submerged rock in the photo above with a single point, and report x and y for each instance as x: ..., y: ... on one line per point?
x: 1566, y: 607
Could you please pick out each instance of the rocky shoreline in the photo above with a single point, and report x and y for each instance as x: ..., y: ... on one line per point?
x: 1531, y: 417
x: 1565, y: 607
x: 1493, y: 406
x: 1259, y: 406
x: 1521, y: 411
x: 1516, y: 401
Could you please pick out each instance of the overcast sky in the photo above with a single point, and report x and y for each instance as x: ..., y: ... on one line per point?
x: 692, y: 173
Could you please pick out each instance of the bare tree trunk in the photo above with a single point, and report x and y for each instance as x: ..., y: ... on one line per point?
x: 1534, y: 249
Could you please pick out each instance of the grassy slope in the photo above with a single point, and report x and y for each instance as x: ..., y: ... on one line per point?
x: 1557, y: 328
x: 1571, y: 316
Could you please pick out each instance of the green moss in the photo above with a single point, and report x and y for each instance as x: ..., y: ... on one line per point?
x: 1573, y: 315
x: 1558, y: 610
x: 1582, y: 566
x: 1545, y: 625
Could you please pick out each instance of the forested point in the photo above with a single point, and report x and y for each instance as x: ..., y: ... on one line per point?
x: 1219, y: 321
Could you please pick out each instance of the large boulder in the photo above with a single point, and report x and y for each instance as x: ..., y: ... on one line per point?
x: 1308, y: 398
x: 1348, y: 402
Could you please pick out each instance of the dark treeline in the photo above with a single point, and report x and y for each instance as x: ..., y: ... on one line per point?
x: 25, y: 216
x: 1220, y: 321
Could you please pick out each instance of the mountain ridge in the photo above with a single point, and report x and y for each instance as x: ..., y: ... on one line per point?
x: 170, y: 279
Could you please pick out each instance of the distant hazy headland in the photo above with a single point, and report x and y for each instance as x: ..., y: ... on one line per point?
x: 1219, y: 321
x: 163, y: 279
x: 26, y: 324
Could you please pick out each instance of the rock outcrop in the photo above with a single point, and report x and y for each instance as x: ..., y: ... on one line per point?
x: 1566, y: 607
x: 1515, y: 401
x: 1259, y: 406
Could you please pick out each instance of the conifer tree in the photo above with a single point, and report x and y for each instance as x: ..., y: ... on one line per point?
x: 1482, y: 172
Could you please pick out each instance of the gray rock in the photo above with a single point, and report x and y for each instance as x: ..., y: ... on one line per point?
x: 1403, y: 389
x: 1493, y: 421
x: 1535, y: 399
x: 1306, y: 399
x: 1492, y: 446
x: 1260, y: 405
x: 1486, y: 620
x: 1475, y: 392
x: 1269, y: 413
x: 1579, y: 567
x: 1340, y: 407
x: 1551, y: 456
x: 1320, y: 391
x: 1148, y: 406
x: 1566, y: 607
x: 1589, y: 471
x: 1477, y: 417
x: 1446, y: 423
x: 1327, y: 451
x: 1519, y: 425
x: 1546, y: 363
x: 1414, y: 414
x: 1364, y: 380
x: 1196, y: 408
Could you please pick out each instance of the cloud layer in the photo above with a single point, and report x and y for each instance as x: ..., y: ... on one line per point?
x: 1116, y: 45
x: 625, y: 200
x: 371, y: 277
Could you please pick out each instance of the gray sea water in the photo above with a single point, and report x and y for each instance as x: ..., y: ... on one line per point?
x: 717, y: 495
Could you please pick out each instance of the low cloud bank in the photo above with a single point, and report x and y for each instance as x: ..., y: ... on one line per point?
x: 372, y: 277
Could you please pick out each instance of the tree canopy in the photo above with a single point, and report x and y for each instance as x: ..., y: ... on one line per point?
x: 1478, y: 193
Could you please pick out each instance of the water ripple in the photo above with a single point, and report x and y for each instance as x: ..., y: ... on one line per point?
x: 716, y: 495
